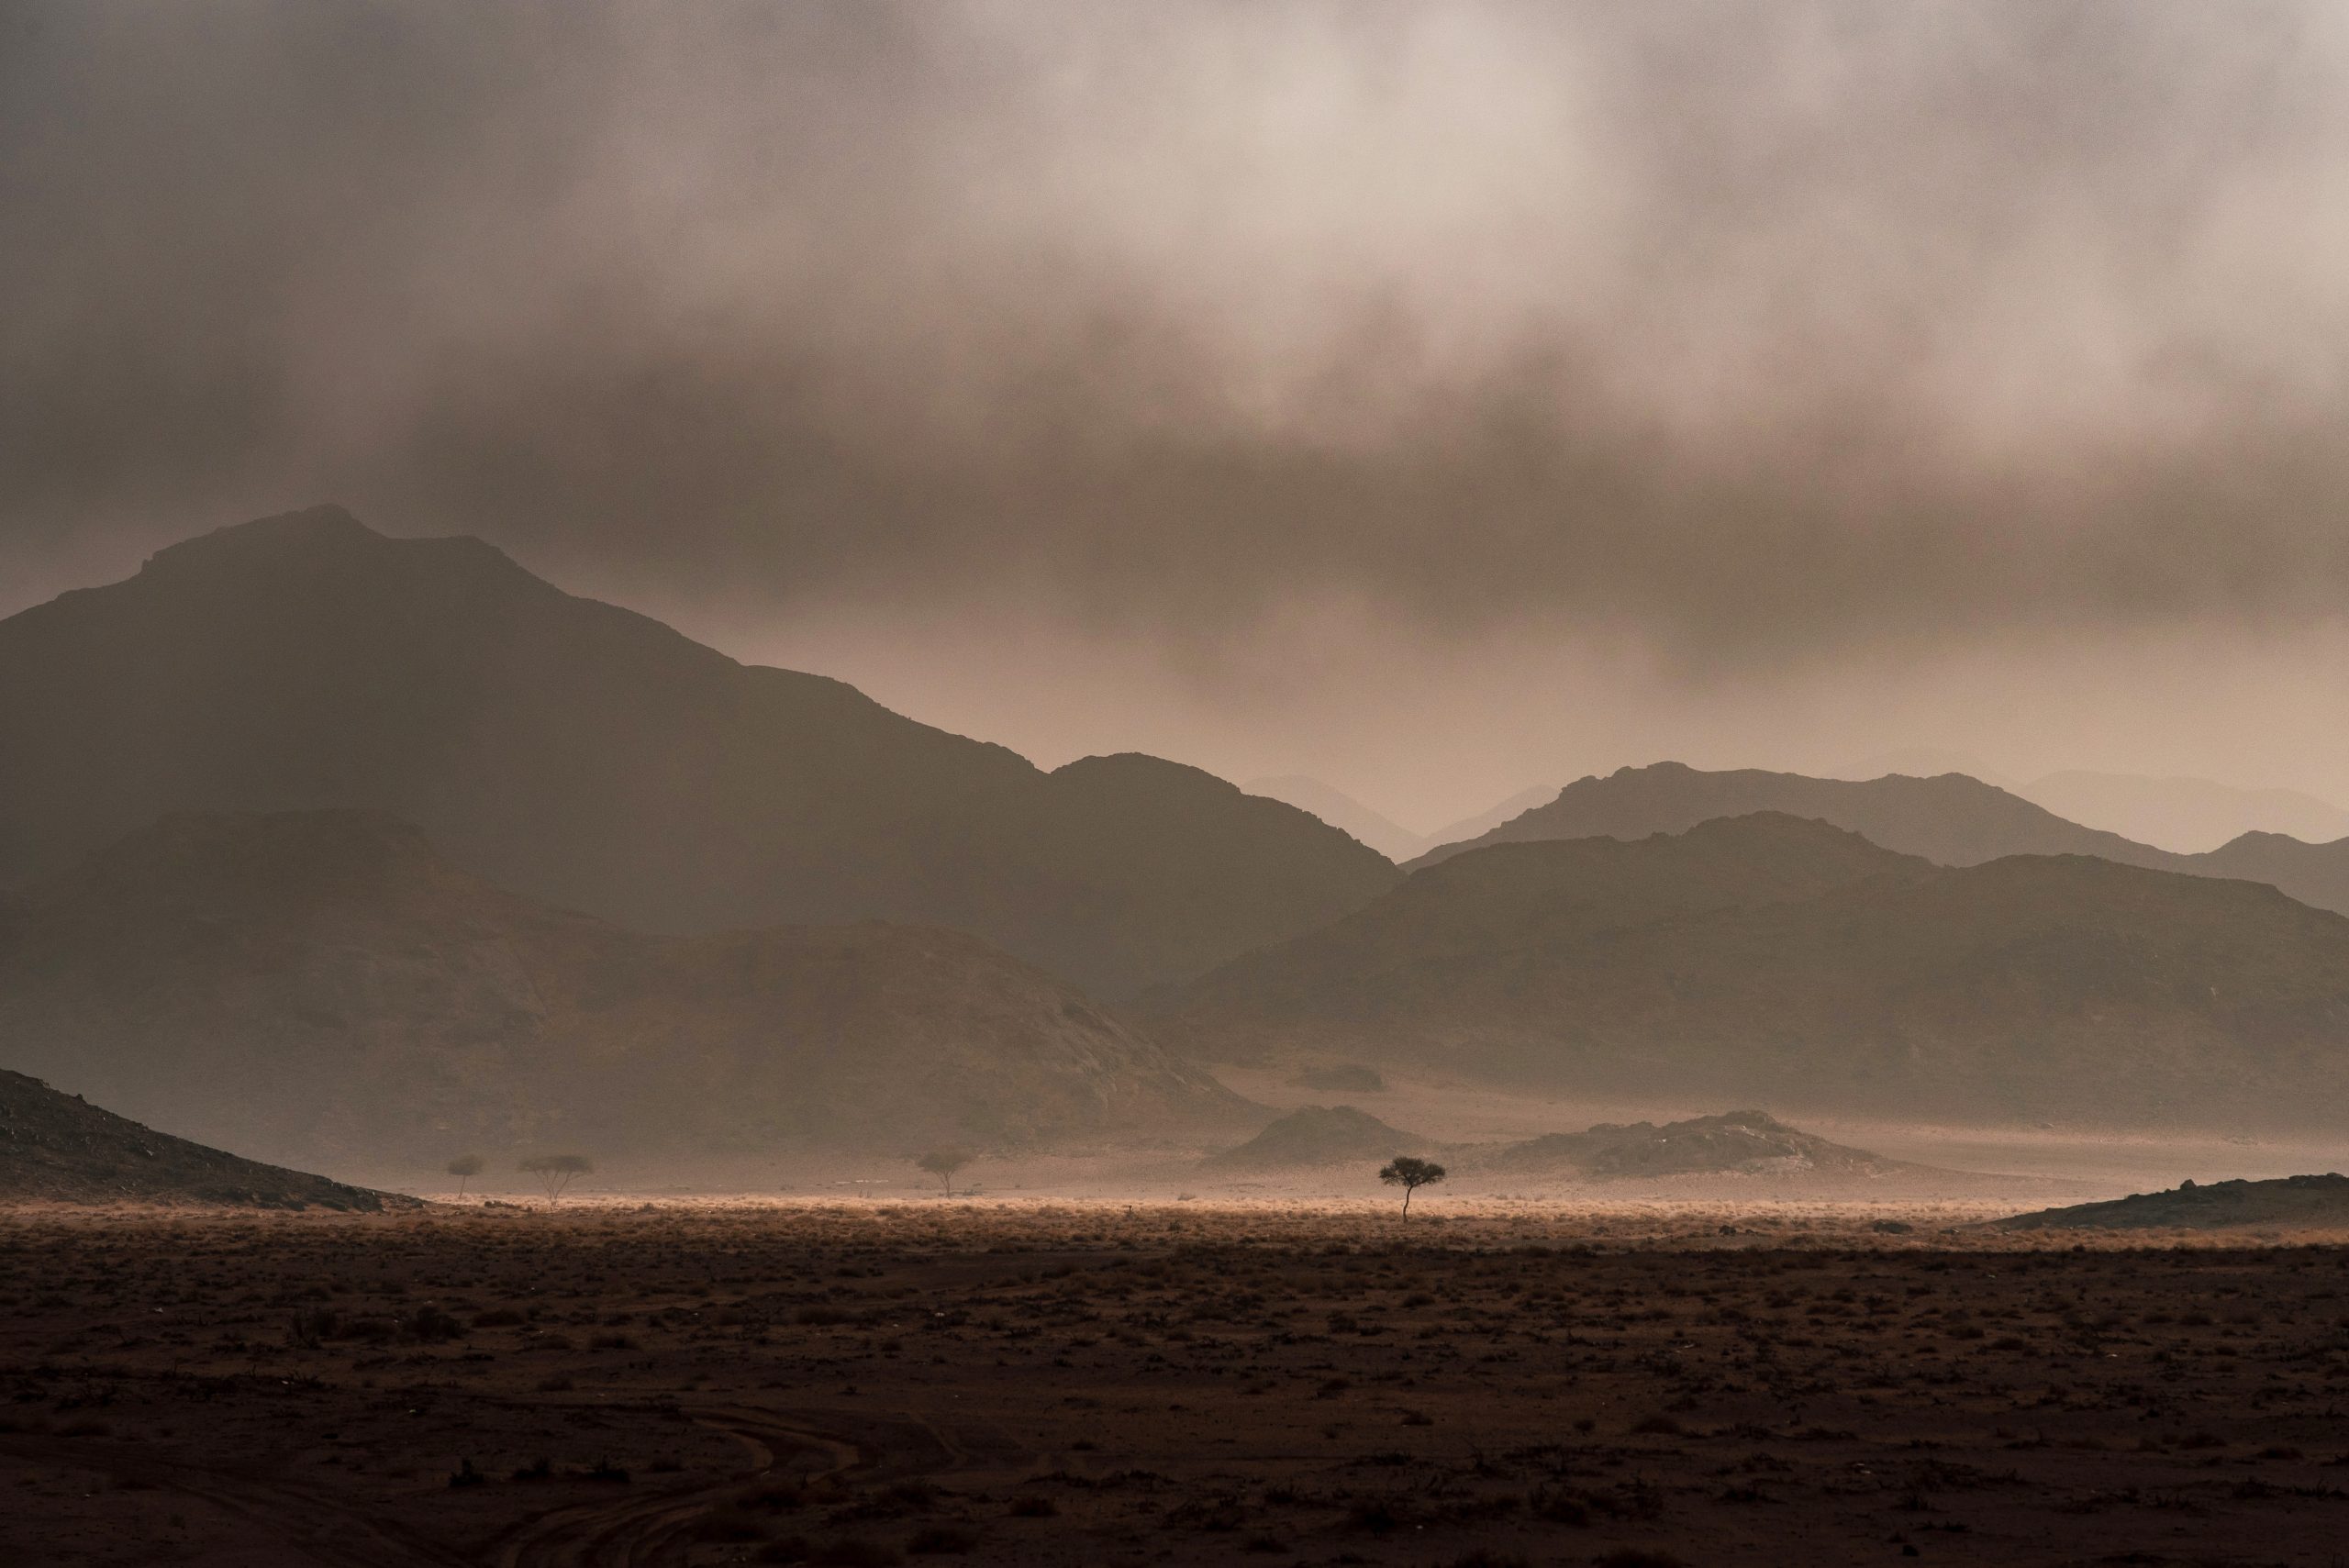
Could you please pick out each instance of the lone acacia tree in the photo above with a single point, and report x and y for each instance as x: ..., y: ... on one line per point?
x: 1410, y: 1172
x: 557, y: 1172
x: 943, y: 1163
x: 465, y: 1167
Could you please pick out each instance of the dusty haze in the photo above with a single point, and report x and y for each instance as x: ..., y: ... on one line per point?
x: 1432, y: 400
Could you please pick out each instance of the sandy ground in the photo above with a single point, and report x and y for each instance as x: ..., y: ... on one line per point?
x: 2019, y: 1168
x: 2101, y: 1164
x: 1023, y: 1380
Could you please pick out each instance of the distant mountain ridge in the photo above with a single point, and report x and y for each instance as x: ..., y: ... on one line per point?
x: 1950, y: 819
x: 591, y: 757
x: 2187, y: 816
x: 1342, y: 811
x: 324, y: 988
x: 1770, y: 958
x: 1389, y: 838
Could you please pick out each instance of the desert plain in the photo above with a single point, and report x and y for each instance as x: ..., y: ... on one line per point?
x: 1017, y: 1379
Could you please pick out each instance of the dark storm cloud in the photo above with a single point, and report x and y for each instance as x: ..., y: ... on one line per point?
x: 1763, y: 329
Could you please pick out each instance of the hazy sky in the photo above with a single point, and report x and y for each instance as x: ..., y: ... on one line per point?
x: 1434, y: 398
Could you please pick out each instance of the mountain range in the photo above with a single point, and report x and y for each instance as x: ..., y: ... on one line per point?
x: 1951, y: 818
x: 595, y: 758
x: 324, y: 989
x: 1773, y: 958
x: 333, y: 846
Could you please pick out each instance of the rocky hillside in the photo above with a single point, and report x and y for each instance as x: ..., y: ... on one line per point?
x: 324, y: 987
x: 57, y: 1148
x: 2033, y: 988
x: 1392, y: 959
x: 2291, y: 1203
x: 597, y: 760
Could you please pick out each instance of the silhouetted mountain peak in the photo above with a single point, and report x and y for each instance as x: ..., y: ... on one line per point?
x: 323, y: 538
x: 599, y: 759
x: 2260, y: 840
x: 1139, y: 769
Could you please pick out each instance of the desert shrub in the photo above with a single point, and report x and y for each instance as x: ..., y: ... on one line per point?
x: 1031, y: 1506
x: 369, y: 1330
x: 1638, y: 1557
x: 430, y: 1325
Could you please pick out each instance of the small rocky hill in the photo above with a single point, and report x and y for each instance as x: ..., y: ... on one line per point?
x: 1736, y: 1141
x: 1321, y: 1135
x: 2289, y: 1203
x: 57, y: 1147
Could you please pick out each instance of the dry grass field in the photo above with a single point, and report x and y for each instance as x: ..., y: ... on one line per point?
x: 1042, y: 1382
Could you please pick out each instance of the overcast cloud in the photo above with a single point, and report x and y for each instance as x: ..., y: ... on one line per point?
x: 1755, y: 339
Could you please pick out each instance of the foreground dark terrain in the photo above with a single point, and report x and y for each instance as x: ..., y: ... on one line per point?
x: 1078, y: 1383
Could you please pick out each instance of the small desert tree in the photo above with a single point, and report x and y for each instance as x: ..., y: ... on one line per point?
x: 943, y: 1163
x: 465, y: 1167
x: 1410, y: 1172
x: 557, y: 1172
